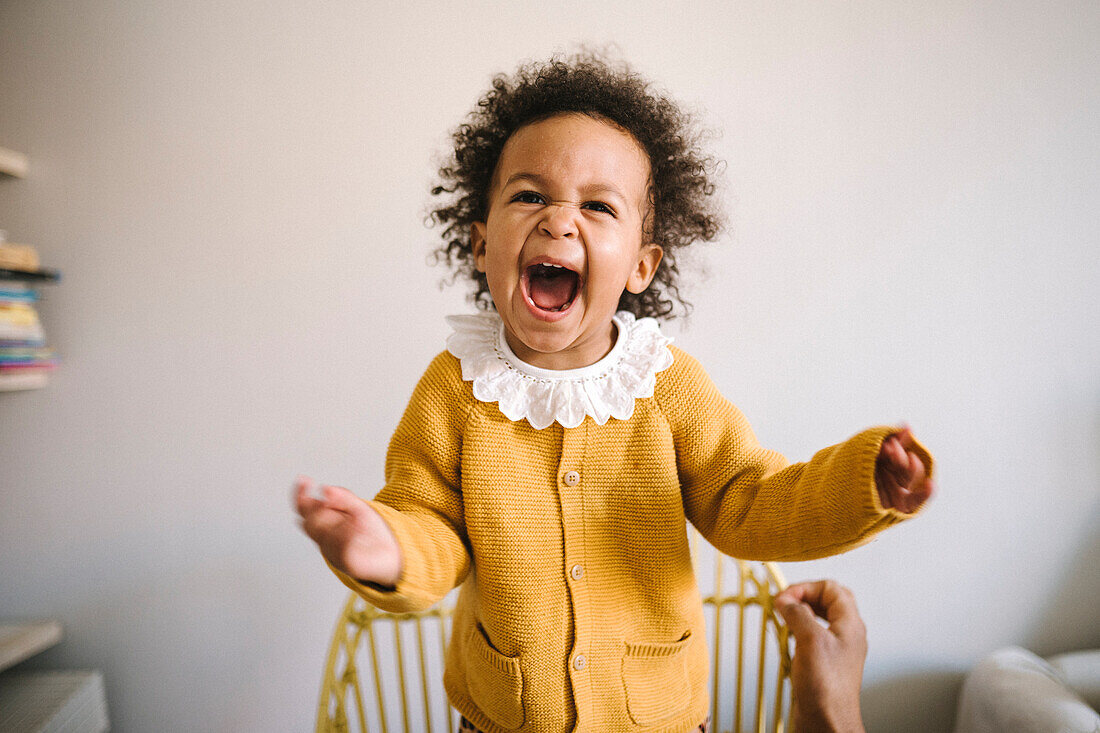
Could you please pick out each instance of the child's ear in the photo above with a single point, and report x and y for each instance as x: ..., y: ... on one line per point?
x: 477, y: 244
x: 648, y: 258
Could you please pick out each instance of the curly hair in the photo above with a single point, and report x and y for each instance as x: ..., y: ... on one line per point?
x: 681, y: 195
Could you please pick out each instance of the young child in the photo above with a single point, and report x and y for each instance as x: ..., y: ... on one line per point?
x: 549, y: 457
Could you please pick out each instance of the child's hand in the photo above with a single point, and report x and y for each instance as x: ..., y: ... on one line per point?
x: 350, y: 534
x: 900, y: 475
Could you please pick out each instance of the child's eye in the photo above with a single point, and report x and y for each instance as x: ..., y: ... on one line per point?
x: 600, y: 207
x: 528, y: 197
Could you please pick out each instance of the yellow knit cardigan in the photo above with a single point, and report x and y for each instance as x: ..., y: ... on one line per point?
x: 579, y: 608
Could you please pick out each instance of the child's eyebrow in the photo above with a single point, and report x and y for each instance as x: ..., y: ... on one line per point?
x: 596, y: 187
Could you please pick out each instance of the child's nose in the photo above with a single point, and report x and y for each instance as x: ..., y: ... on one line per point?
x: 559, y: 221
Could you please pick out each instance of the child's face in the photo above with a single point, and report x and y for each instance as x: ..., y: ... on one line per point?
x: 564, y: 237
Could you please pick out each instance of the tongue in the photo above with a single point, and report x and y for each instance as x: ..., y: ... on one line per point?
x: 552, y: 288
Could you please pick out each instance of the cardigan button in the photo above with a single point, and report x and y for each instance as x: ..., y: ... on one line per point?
x: 571, y: 478
x: 580, y: 662
x: 576, y: 572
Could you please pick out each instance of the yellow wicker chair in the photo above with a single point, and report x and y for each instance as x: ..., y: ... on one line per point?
x: 384, y: 671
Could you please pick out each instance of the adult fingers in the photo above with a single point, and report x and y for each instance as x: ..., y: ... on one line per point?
x: 812, y: 593
x: 833, y: 602
x: 798, y: 616
x: 842, y: 613
x: 797, y: 591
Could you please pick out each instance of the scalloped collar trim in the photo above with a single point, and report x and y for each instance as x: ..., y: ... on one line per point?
x: 601, y: 391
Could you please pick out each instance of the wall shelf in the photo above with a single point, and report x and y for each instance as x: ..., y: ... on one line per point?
x: 34, y: 702
x: 20, y: 640
x: 12, y: 163
x: 40, y: 276
x: 52, y: 702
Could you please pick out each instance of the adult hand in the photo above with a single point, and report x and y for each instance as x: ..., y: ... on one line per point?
x: 351, y: 535
x: 827, y: 668
x: 900, y: 476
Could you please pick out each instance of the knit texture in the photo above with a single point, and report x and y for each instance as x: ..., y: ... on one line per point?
x: 579, y: 606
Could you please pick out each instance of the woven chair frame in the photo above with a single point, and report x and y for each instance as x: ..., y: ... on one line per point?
x: 762, y: 659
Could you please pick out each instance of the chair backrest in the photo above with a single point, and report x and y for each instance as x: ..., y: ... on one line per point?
x: 749, y: 643
x: 384, y: 671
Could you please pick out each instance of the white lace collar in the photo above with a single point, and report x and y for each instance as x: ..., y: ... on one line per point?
x: 602, y: 390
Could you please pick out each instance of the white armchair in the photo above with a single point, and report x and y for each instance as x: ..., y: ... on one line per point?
x: 1014, y: 690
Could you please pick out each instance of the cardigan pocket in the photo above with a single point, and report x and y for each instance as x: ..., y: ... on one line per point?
x: 495, y: 681
x: 655, y: 677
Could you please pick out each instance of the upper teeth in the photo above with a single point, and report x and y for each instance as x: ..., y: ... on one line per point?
x: 551, y: 264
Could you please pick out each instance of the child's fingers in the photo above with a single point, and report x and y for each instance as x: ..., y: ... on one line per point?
x: 916, y: 496
x: 903, y: 480
x: 340, y: 499
x: 899, y: 458
x: 911, y: 499
x: 905, y: 437
x: 322, y: 522
x: 303, y: 502
x: 891, y: 454
x: 916, y: 470
x: 892, y: 472
x: 924, y: 492
x: 910, y: 477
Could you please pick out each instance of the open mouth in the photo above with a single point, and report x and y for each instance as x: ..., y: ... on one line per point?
x: 551, y: 287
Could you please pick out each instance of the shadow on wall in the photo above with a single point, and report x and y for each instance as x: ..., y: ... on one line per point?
x: 922, y: 701
x: 1070, y: 621
x: 926, y: 701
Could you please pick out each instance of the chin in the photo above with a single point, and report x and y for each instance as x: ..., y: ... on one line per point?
x: 547, y: 340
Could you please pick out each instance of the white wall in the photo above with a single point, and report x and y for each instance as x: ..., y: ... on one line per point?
x: 235, y: 193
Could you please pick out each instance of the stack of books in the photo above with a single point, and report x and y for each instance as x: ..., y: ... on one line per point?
x: 25, y: 359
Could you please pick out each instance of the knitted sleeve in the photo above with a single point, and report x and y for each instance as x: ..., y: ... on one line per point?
x: 748, y: 501
x: 422, y: 498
